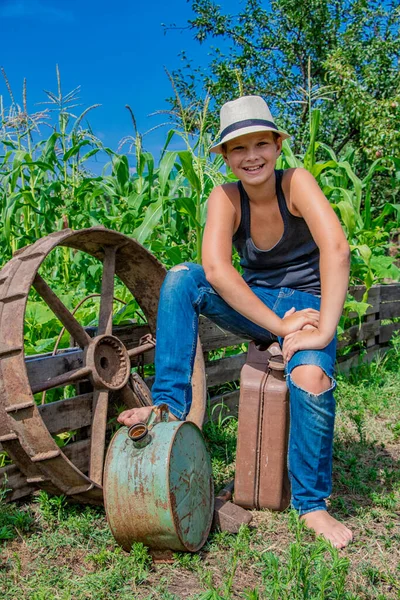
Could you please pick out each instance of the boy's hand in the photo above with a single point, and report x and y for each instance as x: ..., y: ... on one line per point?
x: 294, y: 320
x: 310, y: 338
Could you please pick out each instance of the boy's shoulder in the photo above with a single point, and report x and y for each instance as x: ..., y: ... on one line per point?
x: 295, y: 178
x: 230, y: 190
x: 229, y: 187
x: 226, y: 195
x: 298, y: 173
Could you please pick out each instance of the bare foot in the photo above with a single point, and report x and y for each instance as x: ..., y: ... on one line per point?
x: 323, y: 524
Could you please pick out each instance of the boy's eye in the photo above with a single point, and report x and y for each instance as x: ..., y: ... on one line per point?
x: 263, y: 143
x: 238, y: 148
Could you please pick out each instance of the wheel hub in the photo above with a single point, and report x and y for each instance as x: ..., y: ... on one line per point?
x: 109, y: 360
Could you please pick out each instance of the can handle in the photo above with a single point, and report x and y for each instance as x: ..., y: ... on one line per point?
x: 159, y: 414
x: 139, y: 432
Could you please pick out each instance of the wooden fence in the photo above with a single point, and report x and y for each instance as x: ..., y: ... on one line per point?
x: 75, y: 414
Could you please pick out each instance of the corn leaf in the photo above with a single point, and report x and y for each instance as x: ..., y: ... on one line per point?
x: 151, y: 219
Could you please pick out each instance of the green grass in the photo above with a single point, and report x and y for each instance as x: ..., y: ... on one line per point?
x: 55, y: 550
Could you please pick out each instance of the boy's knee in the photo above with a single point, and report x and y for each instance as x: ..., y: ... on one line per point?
x: 187, y: 268
x: 182, y: 278
x: 311, y: 378
x: 186, y: 271
x: 179, y: 268
x: 178, y: 274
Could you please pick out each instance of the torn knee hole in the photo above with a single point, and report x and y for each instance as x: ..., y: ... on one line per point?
x: 179, y: 268
x: 311, y: 379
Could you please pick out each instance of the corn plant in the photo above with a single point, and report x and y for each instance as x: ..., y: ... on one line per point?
x: 195, y: 165
x: 45, y: 185
x: 41, y: 179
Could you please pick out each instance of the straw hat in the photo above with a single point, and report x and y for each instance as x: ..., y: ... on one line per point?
x: 248, y: 114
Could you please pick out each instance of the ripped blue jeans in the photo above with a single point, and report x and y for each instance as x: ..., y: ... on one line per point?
x: 185, y: 295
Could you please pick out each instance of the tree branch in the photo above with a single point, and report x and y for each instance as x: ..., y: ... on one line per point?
x: 345, y: 140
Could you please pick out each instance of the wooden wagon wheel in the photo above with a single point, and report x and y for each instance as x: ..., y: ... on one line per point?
x: 104, y: 359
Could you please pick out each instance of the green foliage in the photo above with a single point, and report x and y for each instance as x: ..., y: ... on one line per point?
x: 67, y: 551
x: 12, y: 519
x: 342, y: 55
x: 368, y: 233
x: 221, y: 436
x: 139, y: 558
x: 46, y: 185
x: 53, y: 509
x: 41, y: 181
x: 312, y: 571
x: 362, y: 389
x: 198, y: 170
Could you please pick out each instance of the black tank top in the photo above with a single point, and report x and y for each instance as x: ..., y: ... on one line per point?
x: 294, y: 260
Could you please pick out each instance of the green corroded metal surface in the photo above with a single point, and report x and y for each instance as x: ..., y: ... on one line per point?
x: 191, y: 488
x: 160, y: 494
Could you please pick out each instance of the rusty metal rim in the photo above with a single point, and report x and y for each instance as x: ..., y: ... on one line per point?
x: 32, y: 448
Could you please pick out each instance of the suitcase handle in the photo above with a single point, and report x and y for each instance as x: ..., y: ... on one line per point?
x: 276, y: 363
x: 271, y: 357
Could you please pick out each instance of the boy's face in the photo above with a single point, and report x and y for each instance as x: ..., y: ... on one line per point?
x: 252, y: 157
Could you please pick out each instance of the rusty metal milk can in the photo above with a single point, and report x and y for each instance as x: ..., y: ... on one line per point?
x: 158, y: 486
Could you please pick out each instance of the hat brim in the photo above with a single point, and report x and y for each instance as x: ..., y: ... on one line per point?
x: 217, y: 149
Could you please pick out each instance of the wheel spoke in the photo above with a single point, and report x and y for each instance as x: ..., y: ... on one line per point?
x: 136, y: 396
x: 107, y: 291
x: 98, y: 435
x: 61, y: 380
x: 127, y: 396
x: 135, y: 352
x: 61, y: 312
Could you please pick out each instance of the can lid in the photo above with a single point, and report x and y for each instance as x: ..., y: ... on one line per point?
x: 137, y: 431
x: 191, y: 486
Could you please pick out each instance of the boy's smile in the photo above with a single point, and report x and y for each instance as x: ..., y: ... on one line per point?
x: 254, y: 169
x: 252, y: 157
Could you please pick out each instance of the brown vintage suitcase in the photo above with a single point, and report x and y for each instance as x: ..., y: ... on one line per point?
x: 261, y: 479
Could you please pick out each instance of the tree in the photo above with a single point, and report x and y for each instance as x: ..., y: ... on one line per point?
x: 341, y: 55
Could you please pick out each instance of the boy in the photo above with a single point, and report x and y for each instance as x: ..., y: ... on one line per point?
x: 296, y: 262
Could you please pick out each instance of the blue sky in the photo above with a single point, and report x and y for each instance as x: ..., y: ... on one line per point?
x: 116, y: 51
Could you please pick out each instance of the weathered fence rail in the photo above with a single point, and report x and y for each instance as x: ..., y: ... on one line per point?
x: 75, y: 414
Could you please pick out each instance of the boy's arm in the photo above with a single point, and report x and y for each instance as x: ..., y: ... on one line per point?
x: 308, y: 199
x: 217, y: 263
